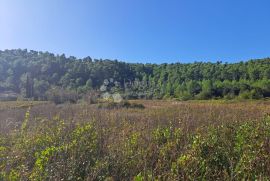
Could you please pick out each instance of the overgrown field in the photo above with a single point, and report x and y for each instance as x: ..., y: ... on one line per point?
x: 167, y: 140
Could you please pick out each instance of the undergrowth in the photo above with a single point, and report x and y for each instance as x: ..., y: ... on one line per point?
x: 57, y: 149
x: 123, y: 104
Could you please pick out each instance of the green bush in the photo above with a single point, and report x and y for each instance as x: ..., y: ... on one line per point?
x: 229, y: 152
x: 59, y: 96
x: 124, y: 104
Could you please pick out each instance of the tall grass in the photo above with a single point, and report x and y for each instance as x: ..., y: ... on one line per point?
x: 164, y: 141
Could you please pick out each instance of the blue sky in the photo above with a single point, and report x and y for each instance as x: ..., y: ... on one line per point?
x: 139, y: 30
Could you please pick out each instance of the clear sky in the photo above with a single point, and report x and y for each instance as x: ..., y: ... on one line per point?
x: 139, y: 30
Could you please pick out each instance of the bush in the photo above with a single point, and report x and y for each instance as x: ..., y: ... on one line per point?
x: 229, y: 96
x: 91, y: 97
x: 59, y: 96
x: 204, y: 95
x: 185, y: 96
x: 244, y: 95
x: 229, y: 152
x: 253, y: 94
x: 124, y: 104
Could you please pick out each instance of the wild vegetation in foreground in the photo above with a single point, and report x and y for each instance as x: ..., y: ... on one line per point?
x: 210, y: 140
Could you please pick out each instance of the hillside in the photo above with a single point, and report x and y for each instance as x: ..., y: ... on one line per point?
x: 34, y: 74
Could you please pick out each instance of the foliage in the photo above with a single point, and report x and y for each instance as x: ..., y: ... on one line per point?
x: 123, y: 104
x: 59, y: 96
x: 32, y: 74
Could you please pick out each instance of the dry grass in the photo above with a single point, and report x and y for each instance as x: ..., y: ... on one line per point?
x: 192, y: 114
x: 117, y: 128
x: 5, y: 105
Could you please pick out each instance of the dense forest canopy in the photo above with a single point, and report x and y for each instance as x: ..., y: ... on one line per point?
x: 35, y: 74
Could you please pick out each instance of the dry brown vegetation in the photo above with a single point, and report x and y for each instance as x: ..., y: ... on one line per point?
x: 166, y: 140
x: 191, y: 113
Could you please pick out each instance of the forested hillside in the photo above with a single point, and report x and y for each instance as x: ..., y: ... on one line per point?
x: 35, y: 74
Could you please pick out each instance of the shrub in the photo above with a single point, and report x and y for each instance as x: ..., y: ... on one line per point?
x: 59, y: 96
x: 229, y: 152
x: 124, y: 104
x: 204, y: 95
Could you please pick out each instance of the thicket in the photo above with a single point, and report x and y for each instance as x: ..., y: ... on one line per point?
x: 37, y: 75
x: 57, y: 149
x: 123, y: 104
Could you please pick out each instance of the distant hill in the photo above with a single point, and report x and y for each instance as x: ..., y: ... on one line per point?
x: 34, y: 74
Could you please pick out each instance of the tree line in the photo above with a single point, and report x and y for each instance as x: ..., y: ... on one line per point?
x: 38, y: 75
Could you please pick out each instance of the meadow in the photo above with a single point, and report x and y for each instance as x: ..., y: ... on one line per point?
x: 166, y: 140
